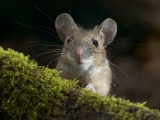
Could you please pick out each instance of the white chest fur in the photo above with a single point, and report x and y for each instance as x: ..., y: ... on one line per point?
x: 86, y: 69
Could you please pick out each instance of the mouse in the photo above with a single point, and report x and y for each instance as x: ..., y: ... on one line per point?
x: 83, y: 55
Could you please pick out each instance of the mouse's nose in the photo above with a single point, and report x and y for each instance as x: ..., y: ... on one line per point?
x: 79, y: 51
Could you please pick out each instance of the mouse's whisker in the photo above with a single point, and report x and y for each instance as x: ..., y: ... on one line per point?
x: 54, y: 57
x: 48, y: 45
x: 48, y: 29
x: 128, y: 58
x: 122, y: 39
x: 38, y: 55
x: 120, y: 70
x: 41, y: 45
x: 114, y: 76
x: 129, y: 44
x: 28, y: 46
x: 51, y: 61
x: 44, y: 14
x: 49, y: 49
x: 29, y: 26
x: 48, y: 17
x: 134, y: 21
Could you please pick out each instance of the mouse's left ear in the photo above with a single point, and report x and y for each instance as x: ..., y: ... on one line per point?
x: 108, y: 30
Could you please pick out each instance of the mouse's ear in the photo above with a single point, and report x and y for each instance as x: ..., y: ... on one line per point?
x: 108, y: 30
x: 64, y: 25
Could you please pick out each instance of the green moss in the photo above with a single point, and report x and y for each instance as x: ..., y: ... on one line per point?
x: 32, y: 92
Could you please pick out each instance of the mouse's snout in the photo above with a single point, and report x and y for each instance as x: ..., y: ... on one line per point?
x: 79, y: 51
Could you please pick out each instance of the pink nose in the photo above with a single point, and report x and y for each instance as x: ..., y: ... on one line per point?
x: 79, y: 51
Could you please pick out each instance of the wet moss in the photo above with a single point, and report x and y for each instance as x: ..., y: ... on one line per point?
x: 32, y: 92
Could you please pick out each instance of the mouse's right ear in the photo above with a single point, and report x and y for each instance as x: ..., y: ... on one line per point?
x: 64, y: 25
x: 108, y: 30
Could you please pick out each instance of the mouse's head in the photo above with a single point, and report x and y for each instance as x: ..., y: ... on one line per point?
x: 84, y: 46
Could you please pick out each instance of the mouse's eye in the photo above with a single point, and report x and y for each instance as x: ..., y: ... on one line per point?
x: 69, y: 40
x: 95, y: 42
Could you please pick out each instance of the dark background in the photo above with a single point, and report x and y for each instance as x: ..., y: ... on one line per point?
x: 135, y: 50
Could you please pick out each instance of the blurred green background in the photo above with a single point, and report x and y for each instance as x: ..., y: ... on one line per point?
x: 135, y: 50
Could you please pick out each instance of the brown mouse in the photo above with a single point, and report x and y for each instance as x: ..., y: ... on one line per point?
x: 83, y: 56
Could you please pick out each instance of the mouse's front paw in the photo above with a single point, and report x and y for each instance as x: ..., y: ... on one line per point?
x: 90, y: 86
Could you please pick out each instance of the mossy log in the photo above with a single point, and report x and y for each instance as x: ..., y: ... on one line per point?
x: 32, y: 92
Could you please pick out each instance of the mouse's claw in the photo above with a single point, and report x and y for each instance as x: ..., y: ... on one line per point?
x: 90, y: 86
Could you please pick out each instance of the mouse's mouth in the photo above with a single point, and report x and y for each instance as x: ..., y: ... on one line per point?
x: 79, y: 61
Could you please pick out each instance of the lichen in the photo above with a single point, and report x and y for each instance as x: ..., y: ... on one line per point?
x: 32, y: 92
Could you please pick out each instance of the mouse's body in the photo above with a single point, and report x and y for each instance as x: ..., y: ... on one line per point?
x: 83, y: 55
